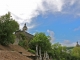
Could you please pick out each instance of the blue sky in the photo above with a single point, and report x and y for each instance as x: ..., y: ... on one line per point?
x: 59, y: 19
x: 65, y: 27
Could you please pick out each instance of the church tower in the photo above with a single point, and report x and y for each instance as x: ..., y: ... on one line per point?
x: 77, y: 45
x: 25, y: 28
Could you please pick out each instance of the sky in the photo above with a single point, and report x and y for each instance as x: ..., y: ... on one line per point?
x: 60, y: 19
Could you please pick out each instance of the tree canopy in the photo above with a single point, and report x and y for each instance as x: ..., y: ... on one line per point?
x: 60, y: 52
x: 76, y: 52
x: 7, y: 27
x: 41, y: 40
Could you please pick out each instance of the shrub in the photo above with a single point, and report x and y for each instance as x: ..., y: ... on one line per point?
x: 32, y: 51
x: 23, y: 43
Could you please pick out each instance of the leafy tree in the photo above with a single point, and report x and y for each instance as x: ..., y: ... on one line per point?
x: 59, y: 52
x: 7, y: 27
x: 41, y: 40
x: 76, y: 52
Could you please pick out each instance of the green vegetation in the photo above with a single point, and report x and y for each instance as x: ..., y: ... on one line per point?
x: 23, y: 36
x: 24, y: 41
x: 7, y: 27
x: 57, y: 51
x: 42, y: 40
x: 76, y: 52
x: 32, y: 51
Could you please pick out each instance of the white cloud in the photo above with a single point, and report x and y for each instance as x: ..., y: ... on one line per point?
x: 22, y: 10
x: 68, y: 43
x: 72, y: 2
x: 71, y: 7
x: 51, y: 34
x: 54, y: 5
x: 25, y: 10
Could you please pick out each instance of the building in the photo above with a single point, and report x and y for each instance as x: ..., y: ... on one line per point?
x: 23, y: 33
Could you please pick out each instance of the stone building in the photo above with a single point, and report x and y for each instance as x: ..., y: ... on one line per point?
x: 19, y: 33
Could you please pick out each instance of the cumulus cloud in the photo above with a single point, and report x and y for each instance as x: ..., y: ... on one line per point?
x: 51, y: 34
x: 68, y: 43
x: 71, y: 7
x: 24, y: 11
x: 54, y: 5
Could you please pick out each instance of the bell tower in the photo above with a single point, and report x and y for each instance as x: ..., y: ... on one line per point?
x: 25, y: 28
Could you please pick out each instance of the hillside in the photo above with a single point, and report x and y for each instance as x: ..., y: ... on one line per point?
x: 11, y: 55
x: 12, y: 52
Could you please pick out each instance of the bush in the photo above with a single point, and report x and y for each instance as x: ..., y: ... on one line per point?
x: 32, y: 51
x: 23, y: 43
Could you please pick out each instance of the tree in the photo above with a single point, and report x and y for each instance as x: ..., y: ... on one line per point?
x: 7, y: 27
x: 41, y: 40
x: 76, y: 52
x: 60, y: 52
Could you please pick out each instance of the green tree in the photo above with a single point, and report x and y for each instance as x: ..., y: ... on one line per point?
x: 41, y: 40
x: 59, y: 52
x: 76, y: 52
x: 7, y: 27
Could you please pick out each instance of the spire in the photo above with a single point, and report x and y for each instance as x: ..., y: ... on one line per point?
x: 77, y: 45
x: 25, y: 24
x: 77, y: 42
x: 25, y: 27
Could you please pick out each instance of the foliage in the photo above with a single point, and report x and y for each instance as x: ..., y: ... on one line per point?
x: 41, y: 40
x: 76, y: 51
x: 7, y: 27
x: 69, y: 47
x: 60, y: 52
x: 23, y: 36
x: 32, y: 51
x: 57, y: 51
x: 24, y: 41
